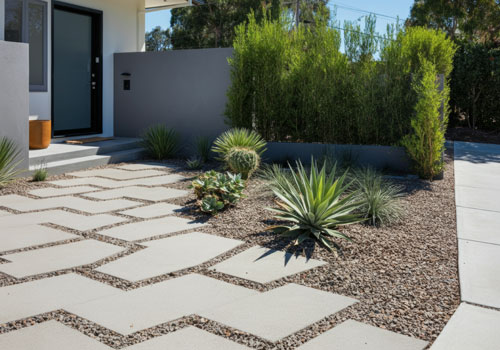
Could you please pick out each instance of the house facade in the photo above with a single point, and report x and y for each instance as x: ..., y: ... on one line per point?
x: 71, y: 47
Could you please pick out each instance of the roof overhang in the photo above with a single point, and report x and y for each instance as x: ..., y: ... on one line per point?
x: 152, y: 5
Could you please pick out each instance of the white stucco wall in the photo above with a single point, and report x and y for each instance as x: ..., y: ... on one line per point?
x: 2, y: 18
x: 123, y: 31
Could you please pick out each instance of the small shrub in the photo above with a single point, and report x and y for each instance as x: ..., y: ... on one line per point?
x: 8, y: 161
x: 194, y: 163
x: 215, y: 191
x: 380, y: 199
x: 161, y: 142
x: 426, y: 144
x: 242, y: 138
x: 203, y: 145
x: 316, y: 204
x: 40, y: 174
x: 243, y: 161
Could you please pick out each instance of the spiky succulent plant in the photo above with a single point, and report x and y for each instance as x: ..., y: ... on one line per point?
x: 243, y: 161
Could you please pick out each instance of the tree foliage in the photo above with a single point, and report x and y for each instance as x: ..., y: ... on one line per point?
x: 474, y: 20
x: 475, y: 87
x: 158, y: 39
x: 213, y: 23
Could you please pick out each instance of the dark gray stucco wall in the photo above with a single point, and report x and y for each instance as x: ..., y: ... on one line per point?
x: 378, y: 157
x: 184, y: 89
x: 14, y: 96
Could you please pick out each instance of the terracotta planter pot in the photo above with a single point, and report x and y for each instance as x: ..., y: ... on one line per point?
x: 40, y: 134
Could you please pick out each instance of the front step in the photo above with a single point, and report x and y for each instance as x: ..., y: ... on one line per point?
x: 80, y: 163
x: 62, y: 151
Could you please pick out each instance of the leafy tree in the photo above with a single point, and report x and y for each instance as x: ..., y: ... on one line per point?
x: 158, y: 39
x: 213, y: 23
x: 425, y: 146
x: 474, y: 20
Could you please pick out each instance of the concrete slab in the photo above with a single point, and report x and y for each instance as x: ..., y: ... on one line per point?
x: 265, y: 265
x: 117, y: 174
x: 49, y: 335
x: 60, y: 257
x: 471, y: 327
x: 477, y: 198
x: 479, y: 268
x: 147, y: 165
x: 146, y: 229
x: 32, y: 298
x: 55, y: 192
x: 478, y: 225
x: 31, y: 235
x: 155, y: 304
x: 144, y: 193
x: 108, y: 183
x: 477, y: 152
x: 280, y: 312
x: 21, y: 203
x: 352, y: 335
x: 153, y: 211
x: 483, y: 175
x: 168, y: 255
x: 189, y: 338
x: 61, y: 218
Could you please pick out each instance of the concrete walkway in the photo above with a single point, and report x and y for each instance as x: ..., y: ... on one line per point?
x: 139, y: 239
x: 477, y: 190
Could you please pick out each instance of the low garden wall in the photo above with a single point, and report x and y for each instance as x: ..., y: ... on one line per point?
x: 184, y: 90
x: 378, y: 157
x: 14, y: 98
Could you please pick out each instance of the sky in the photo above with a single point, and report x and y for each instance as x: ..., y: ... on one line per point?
x: 346, y: 10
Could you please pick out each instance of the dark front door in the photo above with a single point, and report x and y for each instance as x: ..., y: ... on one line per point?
x: 76, y: 70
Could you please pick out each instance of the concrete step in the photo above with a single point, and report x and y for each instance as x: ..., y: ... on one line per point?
x: 61, y: 151
x: 79, y: 163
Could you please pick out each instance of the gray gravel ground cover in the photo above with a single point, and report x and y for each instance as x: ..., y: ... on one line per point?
x: 404, y: 276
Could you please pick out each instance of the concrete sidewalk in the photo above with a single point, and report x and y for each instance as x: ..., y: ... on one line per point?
x: 477, y: 190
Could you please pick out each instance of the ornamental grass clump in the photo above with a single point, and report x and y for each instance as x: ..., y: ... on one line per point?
x: 242, y: 161
x: 9, y: 154
x: 216, y: 191
x: 160, y: 142
x: 239, y: 137
x: 316, y: 204
x: 41, y: 173
x: 379, y: 198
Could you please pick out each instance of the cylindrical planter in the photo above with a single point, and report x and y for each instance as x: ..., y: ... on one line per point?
x: 40, y: 134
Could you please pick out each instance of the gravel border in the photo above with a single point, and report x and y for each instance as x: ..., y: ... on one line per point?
x: 404, y: 276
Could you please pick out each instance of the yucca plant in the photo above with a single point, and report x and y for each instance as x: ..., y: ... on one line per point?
x: 160, y: 142
x: 203, y: 145
x: 9, y: 160
x: 242, y: 138
x: 379, y: 198
x: 316, y: 204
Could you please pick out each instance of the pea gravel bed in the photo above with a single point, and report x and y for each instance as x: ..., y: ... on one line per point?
x: 405, y: 277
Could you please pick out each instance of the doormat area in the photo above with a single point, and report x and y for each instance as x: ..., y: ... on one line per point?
x: 88, y: 140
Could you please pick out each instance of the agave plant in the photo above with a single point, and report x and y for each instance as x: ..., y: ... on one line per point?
x: 315, y: 204
x: 9, y: 154
x: 160, y: 142
x: 242, y: 138
x: 380, y: 199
